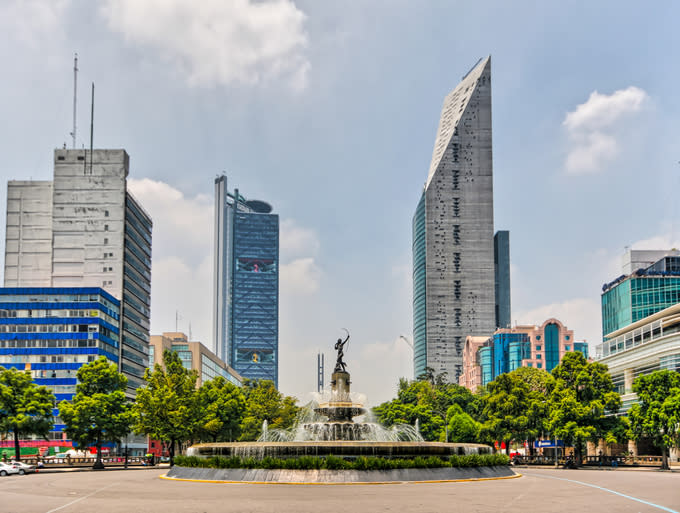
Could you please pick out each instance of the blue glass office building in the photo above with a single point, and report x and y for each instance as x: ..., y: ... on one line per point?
x: 246, y: 300
x: 645, y: 292
x: 52, y: 332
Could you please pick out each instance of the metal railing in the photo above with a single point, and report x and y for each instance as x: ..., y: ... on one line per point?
x: 108, y: 461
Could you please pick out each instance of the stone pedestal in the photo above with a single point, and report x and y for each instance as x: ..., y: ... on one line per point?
x: 340, y: 387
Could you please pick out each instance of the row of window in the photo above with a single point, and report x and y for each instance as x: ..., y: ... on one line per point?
x: 53, y: 358
x: 51, y: 343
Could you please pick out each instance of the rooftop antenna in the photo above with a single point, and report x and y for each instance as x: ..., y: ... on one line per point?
x: 75, y: 97
x: 92, y: 129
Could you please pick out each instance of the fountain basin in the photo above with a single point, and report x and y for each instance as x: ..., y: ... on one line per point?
x: 343, y: 449
x: 335, y: 477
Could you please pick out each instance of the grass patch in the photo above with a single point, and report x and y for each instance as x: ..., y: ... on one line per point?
x: 335, y: 463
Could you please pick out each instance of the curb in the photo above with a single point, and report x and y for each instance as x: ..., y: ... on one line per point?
x: 344, y: 483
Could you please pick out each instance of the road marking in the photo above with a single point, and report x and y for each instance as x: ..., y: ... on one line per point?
x: 81, y: 498
x: 664, y: 508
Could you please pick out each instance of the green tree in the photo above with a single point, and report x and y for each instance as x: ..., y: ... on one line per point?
x: 221, y: 405
x: 99, y: 412
x: 25, y: 408
x: 427, y: 401
x: 539, y: 384
x: 582, y: 403
x: 657, y: 414
x: 166, y: 408
x: 462, y: 427
x: 264, y: 402
x: 505, y: 410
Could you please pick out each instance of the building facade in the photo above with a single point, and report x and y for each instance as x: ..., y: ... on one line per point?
x: 642, y: 292
x: 246, y: 288
x: 453, y: 238
x: 54, y: 331
x: 84, y: 229
x: 540, y: 347
x: 194, y: 356
x: 501, y: 260
x: 642, y: 347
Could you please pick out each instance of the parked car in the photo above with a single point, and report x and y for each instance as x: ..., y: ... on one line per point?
x: 24, y: 468
x: 8, y: 468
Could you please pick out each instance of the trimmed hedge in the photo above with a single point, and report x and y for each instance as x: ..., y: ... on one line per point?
x: 334, y: 463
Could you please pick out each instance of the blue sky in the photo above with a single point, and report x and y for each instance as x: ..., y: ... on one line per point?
x: 329, y: 111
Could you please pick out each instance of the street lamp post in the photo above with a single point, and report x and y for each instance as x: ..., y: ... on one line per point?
x: 126, y: 450
x: 410, y: 344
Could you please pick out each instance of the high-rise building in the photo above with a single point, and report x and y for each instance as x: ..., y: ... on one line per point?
x: 540, y: 347
x: 651, y: 285
x: 501, y: 260
x: 84, y: 229
x: 453, y: 244
x: 246, y: 288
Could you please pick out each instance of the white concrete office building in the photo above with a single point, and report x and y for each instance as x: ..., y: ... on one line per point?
x: 84, y: 229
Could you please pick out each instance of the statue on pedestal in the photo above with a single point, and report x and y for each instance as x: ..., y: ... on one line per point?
x: 340, y: 366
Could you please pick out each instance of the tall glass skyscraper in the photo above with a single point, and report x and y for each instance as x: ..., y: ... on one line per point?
x: 246, y: 293
x: 453, y: 240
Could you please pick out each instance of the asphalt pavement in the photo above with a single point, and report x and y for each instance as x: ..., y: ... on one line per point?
x: 538, y: 489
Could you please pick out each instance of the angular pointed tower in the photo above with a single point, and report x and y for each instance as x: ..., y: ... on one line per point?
x: 453, y: 249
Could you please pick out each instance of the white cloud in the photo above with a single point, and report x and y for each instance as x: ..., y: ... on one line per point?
x: 593, y: 128
x: 181, y: 273
x: 379, y: 366
x: 32, y: 22
x: 218, y: 42
x: 297, y: 241
x: 583, y: 315
x: 183, y: 226
x: 657, y: 242
x: 300, y: 277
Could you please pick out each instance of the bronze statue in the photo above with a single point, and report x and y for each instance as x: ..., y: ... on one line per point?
x: 340, y: 366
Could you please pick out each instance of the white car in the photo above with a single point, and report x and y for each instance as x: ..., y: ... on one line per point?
x: 23, y: 467
x: 8, y: 468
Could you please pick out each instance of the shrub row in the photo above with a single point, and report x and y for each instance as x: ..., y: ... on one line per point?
x: 334, y: 463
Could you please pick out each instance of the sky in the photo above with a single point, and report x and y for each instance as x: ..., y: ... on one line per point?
x: 328, y: 111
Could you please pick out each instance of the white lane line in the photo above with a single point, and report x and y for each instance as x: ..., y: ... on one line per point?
x: 81, y: 498
x: 664, y: 508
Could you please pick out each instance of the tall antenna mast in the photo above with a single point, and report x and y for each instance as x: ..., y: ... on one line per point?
x: 92, y: 129
x: 75, y: 97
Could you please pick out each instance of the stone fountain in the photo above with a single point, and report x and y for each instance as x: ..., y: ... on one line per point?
x: 331, y: 429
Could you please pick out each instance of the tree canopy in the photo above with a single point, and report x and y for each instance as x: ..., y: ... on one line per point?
x: 166, y: 408
x: 427, y: 400
x: 99, y: 412
x: 583, y: 403
x: 264, y: 402
x: 657, y: 415
x: 25, y: 408
x: 222, y: 405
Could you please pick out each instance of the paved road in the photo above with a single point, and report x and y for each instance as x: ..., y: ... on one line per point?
x: 541, y: 490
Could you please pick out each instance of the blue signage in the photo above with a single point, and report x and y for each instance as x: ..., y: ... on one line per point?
x: 541, y: 444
